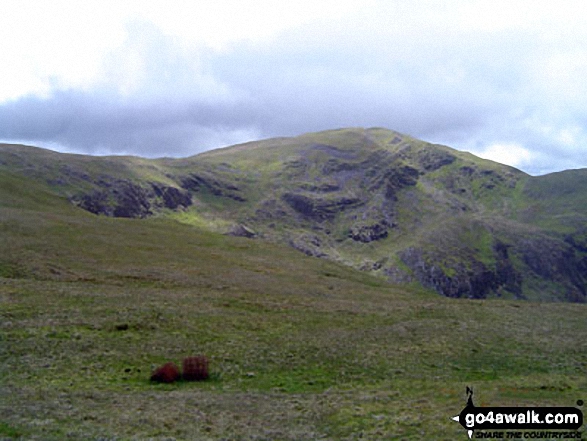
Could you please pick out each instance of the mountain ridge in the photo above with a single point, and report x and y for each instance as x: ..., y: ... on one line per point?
x: 373, y: 199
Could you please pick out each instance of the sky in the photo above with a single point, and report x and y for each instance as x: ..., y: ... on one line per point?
x: 505, y: 80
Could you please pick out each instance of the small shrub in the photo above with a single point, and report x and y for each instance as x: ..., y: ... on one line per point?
x: 168, y: 373
x: 195, y: 368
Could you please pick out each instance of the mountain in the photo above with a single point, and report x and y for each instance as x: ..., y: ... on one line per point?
x: 377, y: 200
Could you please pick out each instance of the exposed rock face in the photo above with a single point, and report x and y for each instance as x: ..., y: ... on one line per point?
x: 318, y: 209
x: 470, y: 278
x: 373, y: 266
x: 198, y: 182
x: 96, y: 202
x: 118, y: 199
x: 172, y: 197
x: 270, y: 209
x: 432, y: 160
x: 557, y: 261
x: 506, y: 275
x: 127, y: 199
x: 473, y: 282
x: 310, y: 245
x: 546, y: 258
x: 369, y: 233
x: 131, y: 201
x: 333, y: 166
x: 394, y: 179
x: 320, y: 188
x: 241, y: 230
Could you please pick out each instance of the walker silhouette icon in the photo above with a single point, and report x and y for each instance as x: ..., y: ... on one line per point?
x: 470, y: 405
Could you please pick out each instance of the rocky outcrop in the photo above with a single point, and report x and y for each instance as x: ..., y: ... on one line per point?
x: 241, y: 230
x: 545, y: 259
x: 433, y: 159
x: 319, y: 187
x: 172, y: 197
x: 369, y: 233
x: 199, y: 182
x: 507, y: 277
x: 131, y: 201
x: 335, y: 166
x: 556, y: 261
x: 465, y: 277
x: 318, y: 209
x: 96, y: 202
x: 457, y: 280
x: 393, y: 179
x: 308, y: 244
x: 118, y: 198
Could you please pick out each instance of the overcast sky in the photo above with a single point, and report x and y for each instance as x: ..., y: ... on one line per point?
x: 506, y: 80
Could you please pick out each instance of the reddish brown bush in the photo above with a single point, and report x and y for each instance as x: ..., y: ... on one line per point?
x: 195, y: 368
x: 168, y: 373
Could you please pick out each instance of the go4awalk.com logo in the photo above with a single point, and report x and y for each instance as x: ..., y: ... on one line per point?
x: 520, y: 422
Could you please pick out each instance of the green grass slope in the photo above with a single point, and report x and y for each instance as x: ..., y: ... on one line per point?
x: 300, y: 348
x: 557, y: 201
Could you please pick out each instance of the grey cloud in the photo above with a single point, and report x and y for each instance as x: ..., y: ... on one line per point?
x: 463, y: 89
x: 93, y: 123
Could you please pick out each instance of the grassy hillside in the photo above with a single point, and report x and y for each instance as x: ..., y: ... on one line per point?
x: 557, y: 201
x: 300, y: 348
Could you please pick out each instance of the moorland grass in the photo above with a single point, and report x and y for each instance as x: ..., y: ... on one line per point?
x: 299, y: 348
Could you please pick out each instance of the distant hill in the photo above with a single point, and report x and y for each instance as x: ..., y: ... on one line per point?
x: 374, y: 199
